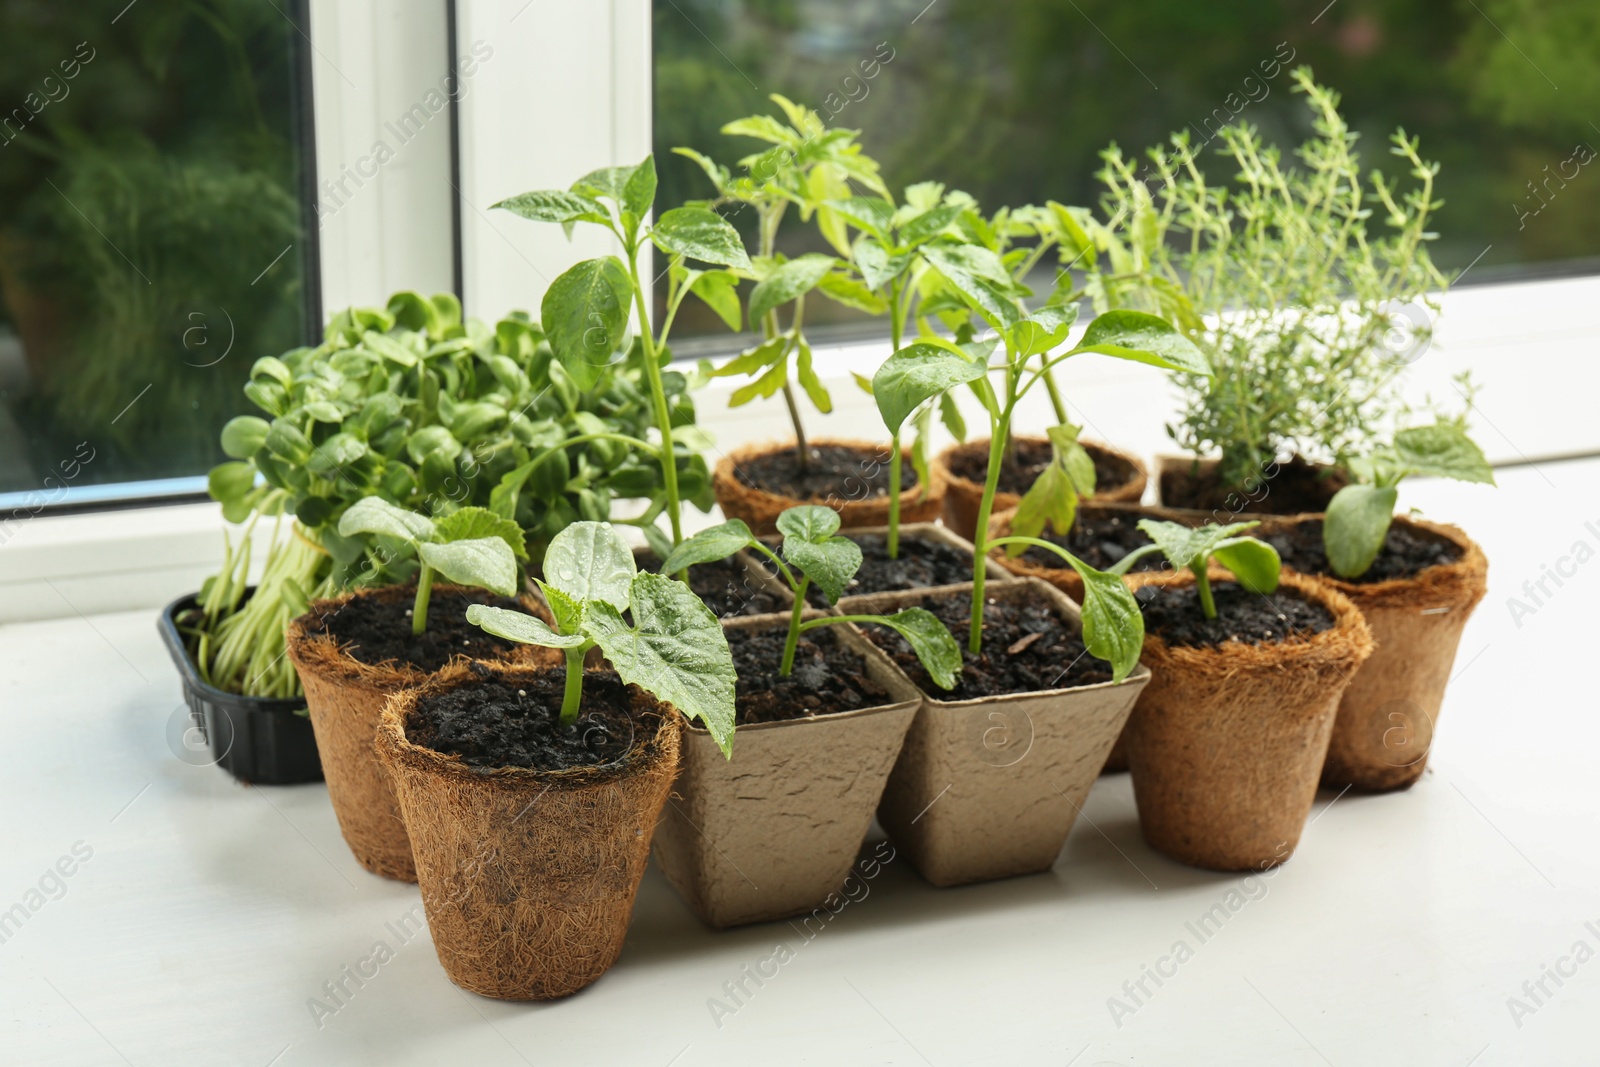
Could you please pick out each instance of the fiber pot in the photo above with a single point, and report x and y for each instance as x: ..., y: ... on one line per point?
x: 963, y: 495
x: 258, y: 740
x: 760, y: 509
x: 1226, y: 744
x: 989, y: 788
x: 1286, y: 487
x: 1388, y: 715
x: 345, y: 698
x: 775, y: 831
x: 528, y: 877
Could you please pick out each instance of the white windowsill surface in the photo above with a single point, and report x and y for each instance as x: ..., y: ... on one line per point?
x: 210, y: 913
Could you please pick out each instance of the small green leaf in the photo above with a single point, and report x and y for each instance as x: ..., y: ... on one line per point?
x: 916, y: 374
x: 568, y: 611
x: 1354, y: 529
x: 754, y: 359
x: 852, y: 293
x: 866, y: 213
x: 1254, y: 563
x: 1142, y: 338
x: 696, y: 233
x: 931, y: 640
x: 470, y: 523
x: 789, y: 280
x: 1186, y: 548
x: 809, y: 522
x: 929, y: 225
x: 590, y: 561
x: 522, y: 628
x: 375, y: 515
x: 1051, y: 499
x: 486, y: 562
x: 877, y: 266
x: 720, y: 291
x: 285, y: 440
x: 979, y: 276
x: 718, y: 542
x: 244, y: 436
x: 1043, y: 330
x: 815, y: 390
x: 830, y: 562
x: 336, y: 453
x: 230, y: 482
x: 389, y: 349
x: 585, y: 313
x: 1443, y: 451
x: 553, y: 205
x: 1113, y: 627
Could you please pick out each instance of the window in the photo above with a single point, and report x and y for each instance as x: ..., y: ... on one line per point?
x: 155, y: 172
x: 1013, y: 104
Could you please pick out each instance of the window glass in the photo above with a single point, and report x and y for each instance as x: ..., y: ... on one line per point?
x: 1013, y: 102
x: 154, y: 238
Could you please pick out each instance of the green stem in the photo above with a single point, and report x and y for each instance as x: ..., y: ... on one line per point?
x: 572, y: 695
x: 896, y: 327
x: 419, y: 610
x: 802, y: 450
x: 788, y: 575
x: 793, y: 640
x: 658, y: 398
x: 980, y: 536
x: 1055, y: 397
x: 1202, y: 584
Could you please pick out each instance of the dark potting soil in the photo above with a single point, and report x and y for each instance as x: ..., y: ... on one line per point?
x: 922, y: 564
x: 1026, y: 648
x: 1296, y: 486
x: 835, y: 474
x: 1099, y: 538
x: 376, y: 629
x: 1032, y: 457
x: 1405, y: 553
x: 724, y: 586
x: 1175, y: 615
x: 827, y: 677
x: 494, y: 723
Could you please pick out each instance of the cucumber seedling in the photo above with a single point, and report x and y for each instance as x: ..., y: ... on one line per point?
x: 1255, y: 564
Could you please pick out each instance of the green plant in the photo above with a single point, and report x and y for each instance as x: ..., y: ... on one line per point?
x: 1358, y: 518
x: 1280, y: 279
x: 1254, y: 563
x: 586, y: 310
x: 811, y: 545
x: 674, y: 646
x: 471, y: 546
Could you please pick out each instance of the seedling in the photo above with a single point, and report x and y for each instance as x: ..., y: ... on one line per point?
x: 1255, y: 564
x: 673, y: 648
x: 472, y: 546
x: 812, y: 547
x: 1358, y: 518
x: 586, y: 310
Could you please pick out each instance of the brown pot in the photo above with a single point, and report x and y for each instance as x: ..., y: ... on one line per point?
x: 345, y: 698
x: 927, y: 531
x: 963, y: 496
x: 775, y: 831
x: 1180, y: 484
x: 1226, y: 744
x: 989, y: 788
x: 1387, y: 718
x: 528, y: 877
x: 760, y: 509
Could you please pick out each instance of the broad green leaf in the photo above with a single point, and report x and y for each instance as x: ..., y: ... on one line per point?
x: 375, y: 515
x: 877, y: 266
x: 606, y: 181
x: 389, y: 348
x: 720, y: 291
x: 1113, y: 627
x: 809, y: 522
x: 1443, y: 451
x: 789, y: 280
x: 763, y: 128
x: 809, y: 380
x: 1043, y: 330
x: 553, y: 205
x: 1254, y: 563
x: 585, y: 313
x: 589, y: 561
x: 470, y: 523
x: 520, y: 627
x: 675, y: 650
x: 978, y: 275
x: 1187, y: 548
x: 1142, y: 338
x: 950, y: 415
x: 916, y: 374
x: 707, y: 546
x: 486, y: 562
x: 335, y: 454
x: 285, y: 440
x: 867, y: 213
x: 1354, y: 529
x: 639, y: 191
x: 696, y: 233
x: 830, y: 562
x: 931, y: 640
x: 929, y: 224
x: 432, y: 440
x: 852, y: 293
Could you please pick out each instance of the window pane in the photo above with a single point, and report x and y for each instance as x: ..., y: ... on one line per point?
x: 1012, y: 102
x: 153, y: 238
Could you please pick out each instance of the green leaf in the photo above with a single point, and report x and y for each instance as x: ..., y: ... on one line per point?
x: 1186, y: 548
x: 1052, y: 499
x: 809, y: 380
x: 720, y: 291
x: 244, y: 436
x: 929, y: 224
x: 520, y: 627
x: 590, y: 561
x: 754, y: 359
x: 809, y: 522
x: 977, y: 274
x: 877, y: 266
x: 915, y: 374
x: 931, y: 640
x: 1043, y: 330
x: 639, y: 192
x: 285, y: 440
x: 1142, y: 338
x: 696, y: 233
x: 762, y: 128
x: 1113, y: 627
x: 230, y: 482
x: 852, y: 293
x: 609, y: 181
x: 568, y: 612
x: 718, y: 542
x: 486, y: 562
x: 675, y: 650
x: 585, y: 313
x: 1443, y: 451
x: 389, y: 349
x: 470, y: 523
x: 866, y: 213
x: 1254, y: 563
x: 554, y: 205
x: 432, y: 441
x: 764, y: 386
x: 336, y: 453
x: 1354, y: 529
x: 830, y: 562
x: 789, y: 280
x: 950, y: 415
x: 375, y: 515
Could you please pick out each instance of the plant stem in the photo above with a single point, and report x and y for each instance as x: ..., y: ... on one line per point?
x: 980, y: 536
x: 572, y: 695
x: 802, y: 450
x: 1202, y: 585
x: 1055, y: 397
x: 419, y: 610
x: 658, y: 397
x: 894, y: 497
x: 793, y: 640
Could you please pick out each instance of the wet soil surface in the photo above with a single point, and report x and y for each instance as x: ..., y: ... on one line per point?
x: 922, y: 564
x: 827, y: 677
x: 1297, y: 486
x: 1026, y: 648
x: 1176, y: 616
x: 835, y: 475
x: 495, y: 723
x: 1032, y: 457
x: 376, y: 629
x: 1405, y: 553
x: 724, y: 586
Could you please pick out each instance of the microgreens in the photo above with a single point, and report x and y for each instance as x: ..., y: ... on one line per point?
x: 1254, y: 563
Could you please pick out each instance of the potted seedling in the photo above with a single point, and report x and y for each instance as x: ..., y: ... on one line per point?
x: 532, y: 793
x: 1416, y: 584
x: 1227, y: 741
x: 355, y: 651
x: 822, y: 714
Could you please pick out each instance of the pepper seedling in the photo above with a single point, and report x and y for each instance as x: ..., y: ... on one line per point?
x: 472, y: 546
x: 674, y: 648
x: 1255, y: 564
x: 811, y: 545
x: 1358, y: 518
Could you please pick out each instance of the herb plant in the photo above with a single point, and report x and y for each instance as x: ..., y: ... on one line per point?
x: 1358, y: 518
x: 472, y: 546
x: 1254, y: 563
x: 812, y: 547
x: 673, y: 648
